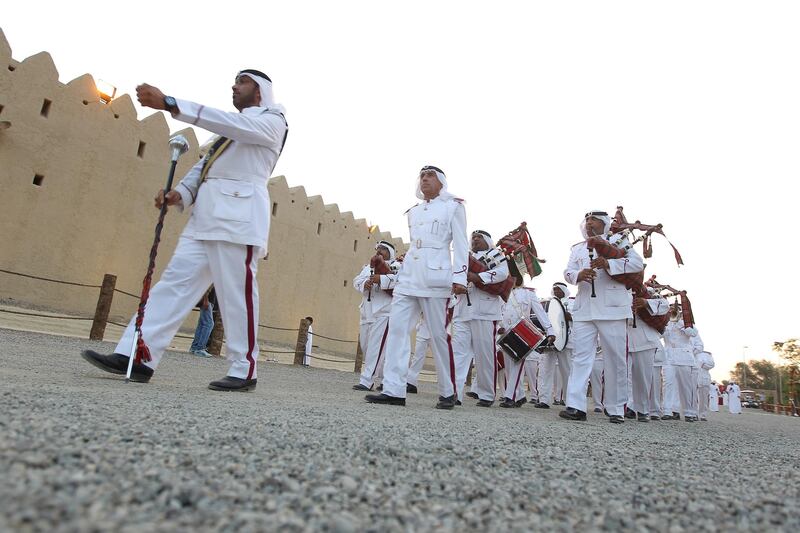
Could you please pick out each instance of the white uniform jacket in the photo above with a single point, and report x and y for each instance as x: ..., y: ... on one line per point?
x: 705, y: 362
x: 523, y: 302
x: 613, y: 300
x: 644, y: 337
x: 569, y: 304
x: 484, y: 306
x: 428, y: 269
x: 679, y: 343
x: 233, y: 203
x: 379, y: 303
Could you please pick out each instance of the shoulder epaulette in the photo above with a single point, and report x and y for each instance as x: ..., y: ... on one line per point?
x: 459, y: 200
x: 578, y: 244
x: 410, y: 208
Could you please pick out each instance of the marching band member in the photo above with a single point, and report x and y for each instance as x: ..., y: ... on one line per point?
x: 552, y: 360
x: 643, y: 341
x: 475, y: 326
x: 426, y: 280
x: 521, y: 304
x: 423, y: 340
x: 376, y: 304
x: 705, y: 362
x: 225, y: 236
x: 678, y: 341
x: 657, y: 384
x: 309, y: 342
x: 604, y: 314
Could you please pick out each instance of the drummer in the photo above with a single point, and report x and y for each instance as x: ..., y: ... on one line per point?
x: 520, y: 305
x: 551, y: 358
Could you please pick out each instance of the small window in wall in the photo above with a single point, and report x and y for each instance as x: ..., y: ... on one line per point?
x: 274, y: 208
x: 140, y: 151
x: 345, y: 283
x: 319, y: 228
x: 45, y: 108
x: 38, y: 179
x: 1, y: 109
x: 355, y: 245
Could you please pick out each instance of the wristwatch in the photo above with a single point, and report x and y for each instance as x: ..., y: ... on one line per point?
x: 170, y: 104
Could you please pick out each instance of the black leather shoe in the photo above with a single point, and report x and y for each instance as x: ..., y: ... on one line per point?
x: 598, y: 410
x: 676, y: 416
x: 118, y: 364
x: 666, y: 417
x: 521, y: 402
x: 230, y: 383
x: 655, y: 418
x: 630, y: 413
x: 541, y: 405
x: 616, y: 419
x: 605, y: 412
x: 361, y: 387
x: 570, y: 413
x: 380, y: 387
x: 690, y: 419
x: 472, y: 395
x: 384, y: 399
x: 508, y: 403
x: 446, y: 403
x: 458, y: 403
x: 484, y: 403
x: 641, y: 417
x: 411, y: 389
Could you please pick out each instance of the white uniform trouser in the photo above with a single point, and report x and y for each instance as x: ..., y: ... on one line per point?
x: 515, y: 370
x: 532, y: 374
x: 702, y: 400
x: 418, y: 361
x: 629, y: 383
x: 613, y: 340
x: 194, y: 266
x: 363, y: 336
x: 547, y: 373
x: 642, y: 379
x: 656, y: 389
x: 403, y: 317
x: 374, y: 357
x: 671, y: 402
x: 476, y: 338
x: 686, y: 384
x: 597, y: 383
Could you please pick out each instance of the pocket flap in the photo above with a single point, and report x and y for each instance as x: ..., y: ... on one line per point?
x: 237, y: 189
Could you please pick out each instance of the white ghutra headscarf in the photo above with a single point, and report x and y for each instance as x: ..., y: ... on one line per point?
x: 600, y: 215
x: 264, y: 87
x: 443, y: 194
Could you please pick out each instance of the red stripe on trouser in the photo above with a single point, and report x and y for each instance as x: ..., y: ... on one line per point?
x: 494, y: 357
x: 603, y: 388
x: 380, y: 350
x: 447, y: 318
x: 248, y: 298
x: 519, y: 375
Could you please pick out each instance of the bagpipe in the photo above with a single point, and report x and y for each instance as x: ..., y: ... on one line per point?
x: 686, y: 305
x: 518, y: 249
x: 379, y: 265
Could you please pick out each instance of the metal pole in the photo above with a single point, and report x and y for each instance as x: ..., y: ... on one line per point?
x: 744, y: 366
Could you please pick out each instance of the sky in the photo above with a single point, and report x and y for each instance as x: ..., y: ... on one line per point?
x: 686, y: 113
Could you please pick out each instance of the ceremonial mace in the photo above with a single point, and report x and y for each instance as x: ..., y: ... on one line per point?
x: 179, y: 145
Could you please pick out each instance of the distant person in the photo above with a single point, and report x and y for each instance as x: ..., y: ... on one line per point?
x: 205, y: 324
x: 734, y: 398
x: 309, y: 339
x: 705, y: 362
x: 713, y: 397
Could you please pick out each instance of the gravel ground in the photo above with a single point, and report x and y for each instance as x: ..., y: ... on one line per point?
x: 82, y: 451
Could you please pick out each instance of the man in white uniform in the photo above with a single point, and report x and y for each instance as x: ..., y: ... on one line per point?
x: 427, y: 279
x: 657, y: 385
x: 376, y: 303
x: 602, y: 316
x: 475, y: 326
x: 522, y: 302
x: 681, y: 343
x: 552, y: 360
x: 309, y: 342
x: 643, y: 341
x: 713, y: 397
x: 226, y: 234
x: 423, y: 341
x: 734, y: 401
x: 705, y: 362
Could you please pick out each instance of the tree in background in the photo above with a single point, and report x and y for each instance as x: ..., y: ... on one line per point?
x: 789, y: 351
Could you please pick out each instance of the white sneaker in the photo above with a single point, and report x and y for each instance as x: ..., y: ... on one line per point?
x: 201, y: 353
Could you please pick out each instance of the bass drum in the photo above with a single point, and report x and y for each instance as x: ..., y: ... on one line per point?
x: 558, y: 319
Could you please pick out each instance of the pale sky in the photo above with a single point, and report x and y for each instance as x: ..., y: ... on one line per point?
x: 686, y: 113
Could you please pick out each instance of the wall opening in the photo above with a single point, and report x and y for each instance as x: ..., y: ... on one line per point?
x: 345, y: 283
x: 1, y: 109
x: 319, y: 228
x: 274, y: 208
x: 355, y: 245
x: 140, y: 151
x: 45, y: 108
x: 38, y: 179
x: 12, y: 68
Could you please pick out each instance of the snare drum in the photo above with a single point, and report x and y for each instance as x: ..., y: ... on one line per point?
x: 521, y: 339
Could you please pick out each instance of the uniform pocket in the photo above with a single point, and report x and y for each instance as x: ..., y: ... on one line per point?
x: 617, y: 296
x: 234, y: 201
x: 439, y: 274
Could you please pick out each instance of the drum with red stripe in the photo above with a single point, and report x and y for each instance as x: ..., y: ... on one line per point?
x: 521, y: 339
